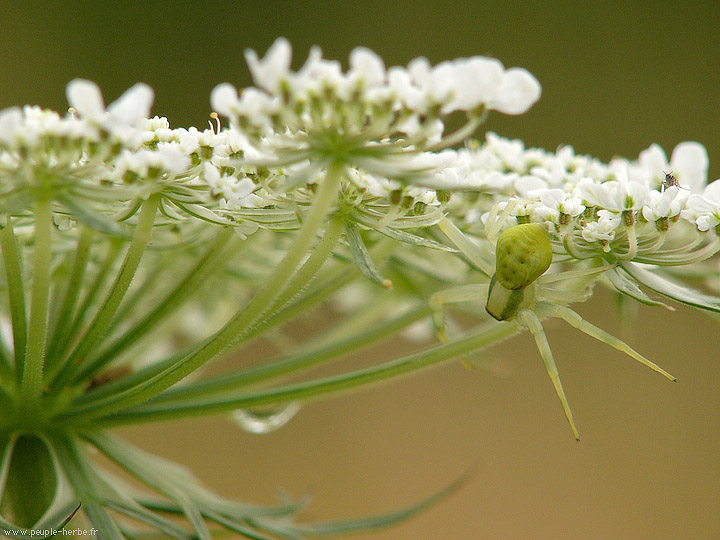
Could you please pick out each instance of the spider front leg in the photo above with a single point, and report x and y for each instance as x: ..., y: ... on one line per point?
x: 531, y: 321
x: 574, y: 319
x: 476, y: 292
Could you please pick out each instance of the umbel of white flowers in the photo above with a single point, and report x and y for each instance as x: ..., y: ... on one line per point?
x: 320, y: 172
x: 374, y: 118
x: 387, y: 126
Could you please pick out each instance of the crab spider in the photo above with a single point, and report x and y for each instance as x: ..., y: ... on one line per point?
x: 519, y: 292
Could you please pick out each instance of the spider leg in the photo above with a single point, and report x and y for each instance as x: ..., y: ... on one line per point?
x: 494, y: 222
x: 575, y: 274
x: 576, y: 284
x: 470, y: 249
x: 392, y: 213
x: 476, y: 292
x: 532, y: 323
x: 574, y: 319
x: 563, y: 297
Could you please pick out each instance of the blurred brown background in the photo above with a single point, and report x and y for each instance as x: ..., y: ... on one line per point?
x: 616, y: 77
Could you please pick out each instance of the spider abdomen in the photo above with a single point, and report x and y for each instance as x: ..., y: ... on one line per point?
x: 523, y: 254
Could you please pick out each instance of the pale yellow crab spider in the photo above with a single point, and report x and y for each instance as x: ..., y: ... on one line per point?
x: 519, y: 292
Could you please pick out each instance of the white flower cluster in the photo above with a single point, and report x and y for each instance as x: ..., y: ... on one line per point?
x: 459, y: 85
x: 385, y: 127
x: 624, y: 207
x: 107, y: 160
x: 369, y: 111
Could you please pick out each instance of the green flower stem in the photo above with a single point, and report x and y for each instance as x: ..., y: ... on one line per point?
x: 311, y: 266
x: 7, y: 409
x: 7, y: 372
x: 72, y: 294
x: 328, y: 285
x: 328, y: 282
x: 104, y: 316
x: 461, y: 134
x: 338, y: 278
x: 189, y: 283
x: 14, y: 273
x: 141, y: 293
x: 491, y: 334
x: 73, y: 330
x: 243, y: 321
x: 313, y: 357
x: 32, y: 379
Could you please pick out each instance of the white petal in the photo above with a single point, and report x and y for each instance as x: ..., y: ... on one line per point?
x: 478, y: 80
x: 621, y: 174
x: 10, y: 121
x: 268, y: 72
x: 528, y: 183
x: 257, y: 104
x: 712, y: 192
x: 224, y: 99
x: 518, y: 91
x: 368, y: 65
x: 705, y: 223
x: 85, y: 97
x: 654, y: 159
x: 699, y: 204
x: 443, y: 81
x: 648, y: 213
x: 133, y: 106
x: 244, y: 188
x: 639, y: 193
x: 419, y: 70
x: 552, y: 198
x: 212, y: 175
x: 689, y: 163
x: 172, y: 158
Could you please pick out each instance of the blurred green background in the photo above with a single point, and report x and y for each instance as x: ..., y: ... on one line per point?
x: 617, y: 76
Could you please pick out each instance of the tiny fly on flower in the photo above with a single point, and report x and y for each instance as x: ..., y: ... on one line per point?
x: 670, y: 181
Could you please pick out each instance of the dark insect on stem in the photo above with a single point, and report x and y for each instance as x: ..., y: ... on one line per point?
x: 109, y: 375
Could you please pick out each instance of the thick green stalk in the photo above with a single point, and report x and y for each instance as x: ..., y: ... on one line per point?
x: 14, y: 274
x: 244, y: 320
x: 104, y: 316
x: 31, y: 480
x: 7, y: 369
x: 32, y: 380
x: 309, y: 270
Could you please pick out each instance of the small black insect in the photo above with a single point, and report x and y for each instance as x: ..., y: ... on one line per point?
x: 670, y: 181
